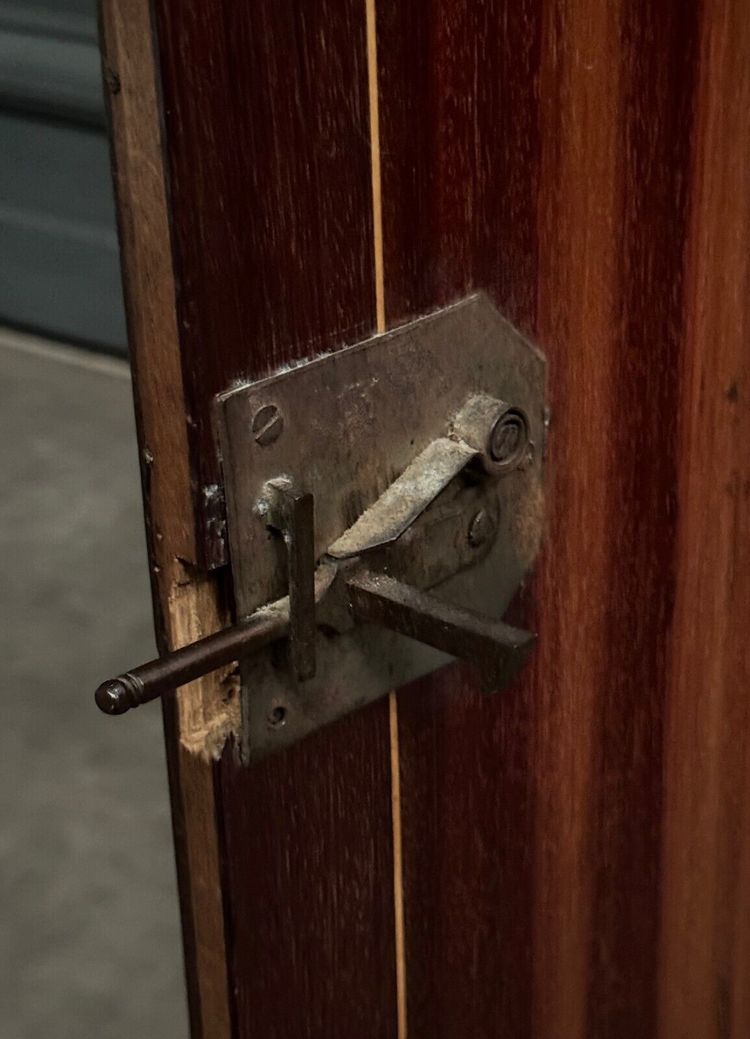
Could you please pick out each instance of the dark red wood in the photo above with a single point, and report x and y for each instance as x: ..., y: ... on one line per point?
x: 267, y: 133
x: 657, y: 95
x: 460, y: 172
x: 575, y: 849
x: 460, y: 148
x: 266, y: 114
x: 310, y: 893
x: 540, y: 152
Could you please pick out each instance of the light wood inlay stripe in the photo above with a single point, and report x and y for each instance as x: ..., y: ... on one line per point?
x: 377, y: 205
x: 377, y: 227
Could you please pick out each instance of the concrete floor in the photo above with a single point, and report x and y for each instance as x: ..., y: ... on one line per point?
x: 89, y: 929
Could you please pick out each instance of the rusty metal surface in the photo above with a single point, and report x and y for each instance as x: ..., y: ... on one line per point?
x: 496, y: 649
x: 446, y: 474
x: 348, y: 423
x: 346, y: 427
x: 292, y: 514
x: 406, y: 498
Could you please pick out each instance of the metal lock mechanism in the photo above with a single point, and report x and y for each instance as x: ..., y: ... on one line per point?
x: 384, y: 503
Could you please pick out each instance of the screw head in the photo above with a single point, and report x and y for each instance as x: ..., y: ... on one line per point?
x: 267, y: 424
x: 277, y: 717
x: 481, y: 529
x: 509, y: 439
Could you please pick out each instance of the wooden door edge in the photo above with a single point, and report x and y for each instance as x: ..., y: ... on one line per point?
x: 198, y: 722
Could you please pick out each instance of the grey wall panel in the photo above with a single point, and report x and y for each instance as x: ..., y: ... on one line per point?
x: 59, y: 270
x: 75, y: 19
x: 57, y: 169
x: 49, y: 76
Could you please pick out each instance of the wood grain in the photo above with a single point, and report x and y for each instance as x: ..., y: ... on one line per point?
x: 148, y: 279
x: 458, y: 213
x: 551, y: 152
x: 576, y: 852
x: 310, y: 886
x: 267, y: 122
x: 705, y: 921
x: 579, y: 205
x: 267, y: 129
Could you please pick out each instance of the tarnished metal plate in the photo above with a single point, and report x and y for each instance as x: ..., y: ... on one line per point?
x: 343, y: 427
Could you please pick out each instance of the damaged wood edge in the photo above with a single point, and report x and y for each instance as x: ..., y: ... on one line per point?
x: 186, y: 606
x: 184, y: 599
x: 209, y: 708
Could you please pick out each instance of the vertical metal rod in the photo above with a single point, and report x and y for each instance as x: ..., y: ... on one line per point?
x: 300, y: 541
x: 292, y: 513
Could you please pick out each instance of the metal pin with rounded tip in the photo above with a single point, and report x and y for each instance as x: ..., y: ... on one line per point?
x: 151, y: 680
x: 118, y: 695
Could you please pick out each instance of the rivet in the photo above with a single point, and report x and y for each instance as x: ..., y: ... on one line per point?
x: 509, y: 439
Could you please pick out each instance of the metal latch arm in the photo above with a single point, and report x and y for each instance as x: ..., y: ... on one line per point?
x: 292, y: 514
x: 498, y: 649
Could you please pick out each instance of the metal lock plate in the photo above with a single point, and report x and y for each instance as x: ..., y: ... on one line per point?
x: 344, y: 427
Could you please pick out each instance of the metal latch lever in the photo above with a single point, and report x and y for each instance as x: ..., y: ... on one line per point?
x: 369, y: 596
x: 498, y: 649
x: 291, y: 514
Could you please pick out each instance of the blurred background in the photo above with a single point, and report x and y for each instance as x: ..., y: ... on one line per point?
x: 89, y: 926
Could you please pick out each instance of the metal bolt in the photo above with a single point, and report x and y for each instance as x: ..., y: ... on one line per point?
x: 481, y: 529
x: 268, y: 422
x: 509, y: 439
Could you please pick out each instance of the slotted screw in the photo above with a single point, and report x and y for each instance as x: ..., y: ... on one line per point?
x: 267, y: 425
